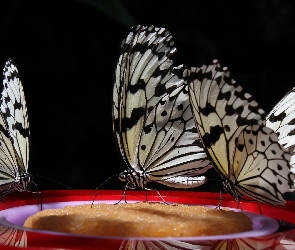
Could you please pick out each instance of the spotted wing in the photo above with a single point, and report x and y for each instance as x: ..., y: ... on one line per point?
x: 169, y: 147
x: 8, y: 160
x: 144, y: 75
x: 14, y: 140
x: 245, y: 152
x: 14, y: 110
x: 282, y: 120
x: 261, y: 168
x: 222, y: 109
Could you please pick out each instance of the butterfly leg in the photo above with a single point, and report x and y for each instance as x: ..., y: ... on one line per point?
x: 146, y: 195
x: 239, y: 205
x: 123, y: 196
x: 148, y: 189
x: 220, y: 199
x: 40, y: 198
x: 37, y: 193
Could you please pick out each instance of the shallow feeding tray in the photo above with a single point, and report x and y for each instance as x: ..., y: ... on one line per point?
x: 267, y: 227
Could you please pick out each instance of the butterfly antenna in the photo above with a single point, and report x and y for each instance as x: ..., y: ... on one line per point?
x: 101, y: 187
x: 53, y: 181
x: 103, y: 184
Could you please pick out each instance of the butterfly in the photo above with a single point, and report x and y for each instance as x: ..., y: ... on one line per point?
x: 153, y: 126
x: 14, y: 133
x: 232, y: 128
x: 282, y: 120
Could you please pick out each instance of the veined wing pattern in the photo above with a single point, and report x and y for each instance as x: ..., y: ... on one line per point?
x: 14, y: 133
x: 231, y: 125
x: 282, y: 120
x: 152, y: 121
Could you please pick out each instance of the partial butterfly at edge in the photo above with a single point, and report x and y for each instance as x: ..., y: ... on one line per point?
x: 282, y: 120
x: 231, y: 124
x: 14, y: 134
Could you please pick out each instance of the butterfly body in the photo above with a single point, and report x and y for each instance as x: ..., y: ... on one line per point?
x: 152, y: 121
x: 139, y: 180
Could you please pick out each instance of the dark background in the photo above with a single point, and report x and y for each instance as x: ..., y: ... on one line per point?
x: 66, y: 52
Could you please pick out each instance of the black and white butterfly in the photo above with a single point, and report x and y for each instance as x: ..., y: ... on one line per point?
x: 14, y: 134
x: 243, y: 150
x: 152, y: 121
x: 282, y: 120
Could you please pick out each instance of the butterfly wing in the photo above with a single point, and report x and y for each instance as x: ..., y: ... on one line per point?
x: 261, y: 167
x: 14, y: 110
x: 282, y: 120
x: 231, y: 125
x: 144, y: 75
x: 8, y: 160
x: 221, y: 109
x: 143, y: 72
x: 169, y: 145
x: 14, y: 127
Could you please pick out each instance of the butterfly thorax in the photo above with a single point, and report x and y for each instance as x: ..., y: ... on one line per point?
x: 133, y: 179
x: 21, y: 182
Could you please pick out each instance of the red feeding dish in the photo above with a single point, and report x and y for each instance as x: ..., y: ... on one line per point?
x: 270, y: 229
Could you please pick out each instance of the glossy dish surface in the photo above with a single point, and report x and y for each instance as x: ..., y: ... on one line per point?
x: 15, y: 217
x: 17, y: 207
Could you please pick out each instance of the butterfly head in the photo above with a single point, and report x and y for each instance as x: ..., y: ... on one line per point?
x: 123, y: 176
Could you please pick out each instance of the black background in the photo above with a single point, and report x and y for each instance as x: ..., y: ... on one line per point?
x: 66, y: 52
